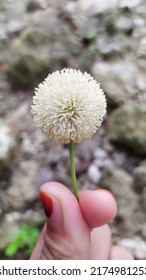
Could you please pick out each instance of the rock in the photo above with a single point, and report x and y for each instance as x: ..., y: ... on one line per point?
x: 9, y: 227
x: 124, y: 23
x: 144, y: 230
x: 119, y: 158
x: 97, y: 7
x: 129, y: 4
x: 110, y: 47
x: 141, y: 84
x: 100, y: 154
x: 86, y: 149
x: 4, y: 203
x: 141, y: 52
x: 116, y: 180
x: 140, y: 177
x: 37, y: 52
x: 64, y: 44
x: 12, y: 223
x: 119, y: 182
x: 33, y: 38
x: 27, y: 67
x: 23, y: 189
x: 33, y: 217
x: 118, y: 84
x: 36, y: 70
x: 45, y: 175
x: 94, y: 174
x: 140, y: 38
x: 3, y: 6
x: 4, y: 43
x: 126, y: 126
x: 33, y: 6
x: 81, y: 167
x: 101, y: 159
x: 102, y: 164
x: 14, y: 27
x: 142, y: 200
x: 83, y: 21
x: 7, y: 145
x: 136, y: 245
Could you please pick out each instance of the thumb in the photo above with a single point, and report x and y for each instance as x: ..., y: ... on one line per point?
x: 67, y: 236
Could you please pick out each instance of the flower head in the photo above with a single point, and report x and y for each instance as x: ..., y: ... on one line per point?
x: 69, y: 106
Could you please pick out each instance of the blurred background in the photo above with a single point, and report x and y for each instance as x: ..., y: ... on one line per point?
x: 107, y: 39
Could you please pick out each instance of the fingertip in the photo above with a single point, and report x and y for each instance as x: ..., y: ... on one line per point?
x: 98, y: 207
x: 70, y: 208
x: 120, y: 253
x: 108, y: 199
x: 50, y: 186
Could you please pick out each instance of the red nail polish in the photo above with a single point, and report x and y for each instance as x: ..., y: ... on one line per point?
x: 47, y: 204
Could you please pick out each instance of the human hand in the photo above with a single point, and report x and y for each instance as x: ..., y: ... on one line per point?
x: 77, y: 230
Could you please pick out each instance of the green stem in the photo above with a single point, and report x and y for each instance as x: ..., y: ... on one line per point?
x: 73, y: 171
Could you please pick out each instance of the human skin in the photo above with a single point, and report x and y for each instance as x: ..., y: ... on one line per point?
x: 77, y: 230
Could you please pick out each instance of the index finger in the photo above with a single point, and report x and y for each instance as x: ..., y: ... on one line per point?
x: 98, y: 207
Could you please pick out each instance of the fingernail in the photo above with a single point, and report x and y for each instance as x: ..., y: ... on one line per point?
x: 52, y: 209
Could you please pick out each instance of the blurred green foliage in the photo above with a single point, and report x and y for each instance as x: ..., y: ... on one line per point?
x: 26, y: 239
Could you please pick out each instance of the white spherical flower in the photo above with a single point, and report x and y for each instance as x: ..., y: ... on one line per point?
x: 69, y: 106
